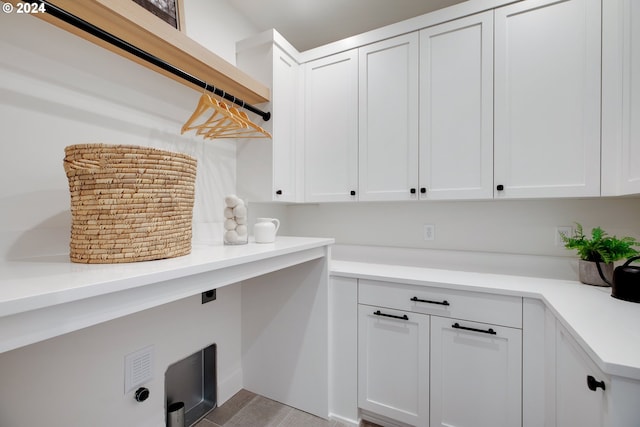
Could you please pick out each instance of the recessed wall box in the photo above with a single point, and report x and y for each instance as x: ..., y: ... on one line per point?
x: 192, y: 381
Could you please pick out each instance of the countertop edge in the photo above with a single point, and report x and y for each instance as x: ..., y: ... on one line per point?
x: 557, y: 295
x: 110, y: 278
x: 43, y: 316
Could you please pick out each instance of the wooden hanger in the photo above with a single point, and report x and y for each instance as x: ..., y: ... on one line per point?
x: 216, y: 119
x: 223, y: 121
x: 202, y: 107
x: 250, y: 129
x: 245, y: 128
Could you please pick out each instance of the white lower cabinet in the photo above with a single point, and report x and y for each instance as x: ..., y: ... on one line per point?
x: 421, y: 366
x: 475, y: 374
x: 581, y: 388
x: 430, y: 356
x: 393, y: 364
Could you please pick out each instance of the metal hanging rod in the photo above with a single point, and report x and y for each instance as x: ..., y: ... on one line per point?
x: 128, y: 47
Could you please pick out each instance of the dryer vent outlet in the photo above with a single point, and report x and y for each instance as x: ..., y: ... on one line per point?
x: 138, y: 368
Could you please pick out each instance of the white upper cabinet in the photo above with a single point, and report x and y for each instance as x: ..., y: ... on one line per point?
x: 505, y: 103
x: 331, y: 128
x: 285, y: 86
x: 267, y: 170
x: 621, y: 97
x: 456, y: 109
x: 547, y: 99
x: 388, y: 119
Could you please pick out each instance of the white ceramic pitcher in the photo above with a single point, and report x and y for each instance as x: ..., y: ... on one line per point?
x: 265, y: 230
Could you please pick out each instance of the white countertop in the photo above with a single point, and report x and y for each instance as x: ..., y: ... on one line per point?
x: 46, y: 296
x: 606, y: 328
x: 43, y: 297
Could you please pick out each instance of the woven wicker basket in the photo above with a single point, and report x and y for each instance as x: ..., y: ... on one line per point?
x: 129, y: 203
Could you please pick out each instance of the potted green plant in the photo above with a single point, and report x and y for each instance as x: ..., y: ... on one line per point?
x: 600, y: 249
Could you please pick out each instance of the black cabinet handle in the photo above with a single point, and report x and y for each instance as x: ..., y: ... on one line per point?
x: 489, y: 331
x: 423, y: 190
x: 416, y: 299
x: 379, y: 313
x: 412, y: 191
x: 279, y: 192
x: 593, y: 384
x: 500, y: 187
x: 352, y: 192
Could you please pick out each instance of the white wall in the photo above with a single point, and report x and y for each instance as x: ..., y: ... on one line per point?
x: 500, y: 226
x: 77, y: 379
x: 216, y: 23
x: 56, y: 90
x: 69, y: 91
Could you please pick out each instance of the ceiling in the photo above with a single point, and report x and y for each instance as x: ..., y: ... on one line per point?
x: 311, y: 23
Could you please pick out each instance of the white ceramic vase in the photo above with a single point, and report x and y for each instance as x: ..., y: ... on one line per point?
x: 265, y: 229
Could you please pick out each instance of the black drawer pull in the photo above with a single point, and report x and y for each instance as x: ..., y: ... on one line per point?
x: 484, y: 331
x: 379, y: 313
x: 593, y: 384
x: 416, y: 299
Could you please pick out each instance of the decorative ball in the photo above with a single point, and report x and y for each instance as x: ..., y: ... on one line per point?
x: 241, y: 230
x: 231, y: 200
x: 240, y: 211
x: 231, y: 236
x: 228, y: 212
x: 230, y: 224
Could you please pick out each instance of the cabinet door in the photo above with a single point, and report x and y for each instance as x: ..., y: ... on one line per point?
x: 388, y: 119
x: 266, y: 169
x: 576, y: 404
x: 393, y: 364
x: 285, y: 98
x: 456, y: 109
x: 331, y: 128
x: 547, y: 99
x: 475, y: 376
x: 621, y: 97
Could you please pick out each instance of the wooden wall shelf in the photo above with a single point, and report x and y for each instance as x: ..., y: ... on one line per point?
x: 132, y: 23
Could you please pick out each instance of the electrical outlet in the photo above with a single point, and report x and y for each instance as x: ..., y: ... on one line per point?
x: 429, y: 232
x: 208, y: 296
x: 562, y: 229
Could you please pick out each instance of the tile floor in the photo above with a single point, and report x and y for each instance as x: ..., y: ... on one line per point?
x: 247, y: 409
